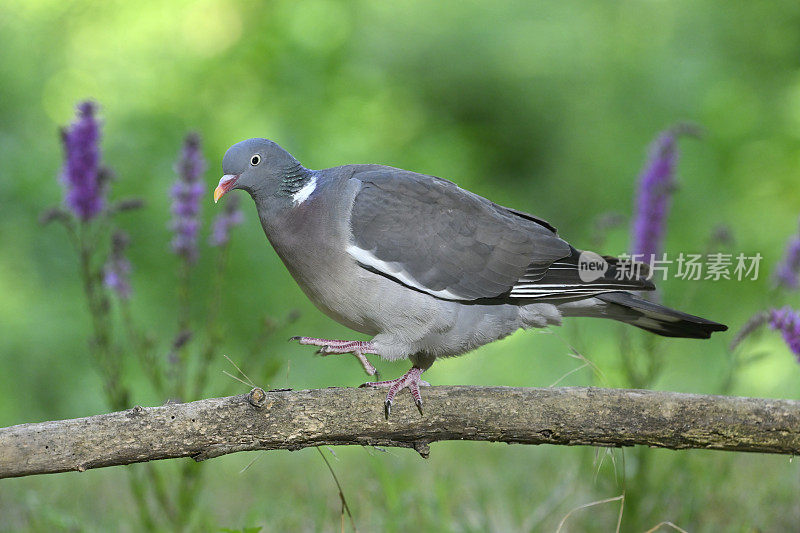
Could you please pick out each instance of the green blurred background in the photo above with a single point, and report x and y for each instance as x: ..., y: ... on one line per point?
x: 544, y: 106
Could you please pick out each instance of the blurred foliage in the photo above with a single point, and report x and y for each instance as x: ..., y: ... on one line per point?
x: 547, y: 107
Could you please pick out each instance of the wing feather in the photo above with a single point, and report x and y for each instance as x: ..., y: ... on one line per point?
x: 431, y: 235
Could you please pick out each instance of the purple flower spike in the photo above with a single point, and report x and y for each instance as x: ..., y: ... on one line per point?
x: 786, y: 273
x: 656, y: 185
x: 231, y: 216
x: 787, y: 321
x: 81, y: 172
x: 118, y: 269
x: 186, y: 195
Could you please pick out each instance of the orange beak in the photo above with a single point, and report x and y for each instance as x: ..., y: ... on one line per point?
x: 225, y: 184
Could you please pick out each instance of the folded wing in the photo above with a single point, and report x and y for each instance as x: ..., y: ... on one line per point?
x: 430, y: 235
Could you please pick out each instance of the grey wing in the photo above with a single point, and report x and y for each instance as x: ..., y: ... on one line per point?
x: 433, y: 236
x: 562, y: 279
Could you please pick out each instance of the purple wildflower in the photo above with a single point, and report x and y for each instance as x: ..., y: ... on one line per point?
x: 186, y: 195
x: 231, y: 216
x: 81, y: 173
x: 786, y: 273
x: 118, y: 269
x: 787, y: 320
x: 656, y: 185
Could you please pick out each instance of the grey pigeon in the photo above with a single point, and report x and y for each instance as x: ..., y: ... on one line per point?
x: 428, y: 269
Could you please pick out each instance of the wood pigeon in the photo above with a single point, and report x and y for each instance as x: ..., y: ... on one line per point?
x: 428, y: 269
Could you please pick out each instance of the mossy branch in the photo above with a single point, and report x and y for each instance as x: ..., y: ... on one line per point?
x: 285, y: 419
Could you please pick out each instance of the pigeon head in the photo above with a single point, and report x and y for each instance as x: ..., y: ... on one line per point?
x: 260, y: 167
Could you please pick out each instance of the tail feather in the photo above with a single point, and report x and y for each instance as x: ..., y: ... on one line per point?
x: 629, y: 308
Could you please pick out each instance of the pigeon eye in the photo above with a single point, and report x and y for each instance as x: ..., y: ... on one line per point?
x: 256, y: 159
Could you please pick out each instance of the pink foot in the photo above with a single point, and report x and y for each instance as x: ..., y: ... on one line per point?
x: 410, y: 379
x: 331, y: 346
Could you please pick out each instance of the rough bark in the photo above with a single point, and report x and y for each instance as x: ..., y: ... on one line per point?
x: 292, y: 420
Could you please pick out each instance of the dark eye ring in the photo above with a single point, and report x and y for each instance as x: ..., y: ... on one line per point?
x: 256, y: 159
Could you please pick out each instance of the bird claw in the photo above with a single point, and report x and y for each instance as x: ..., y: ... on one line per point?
x: 330, y: 346
x: 410, y: 380
x: 328, y: 350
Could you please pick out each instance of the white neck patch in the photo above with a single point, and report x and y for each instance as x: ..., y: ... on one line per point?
x: 302, y: 195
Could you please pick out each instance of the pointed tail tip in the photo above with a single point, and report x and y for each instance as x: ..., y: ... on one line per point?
x: 661, y: 320
x: 687, y: 328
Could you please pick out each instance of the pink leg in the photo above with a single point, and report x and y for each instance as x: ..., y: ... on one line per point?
x: 331, y: 346
x: 410, y: 379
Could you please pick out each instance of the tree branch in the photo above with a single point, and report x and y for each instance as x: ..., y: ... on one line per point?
x: 296, y: 419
